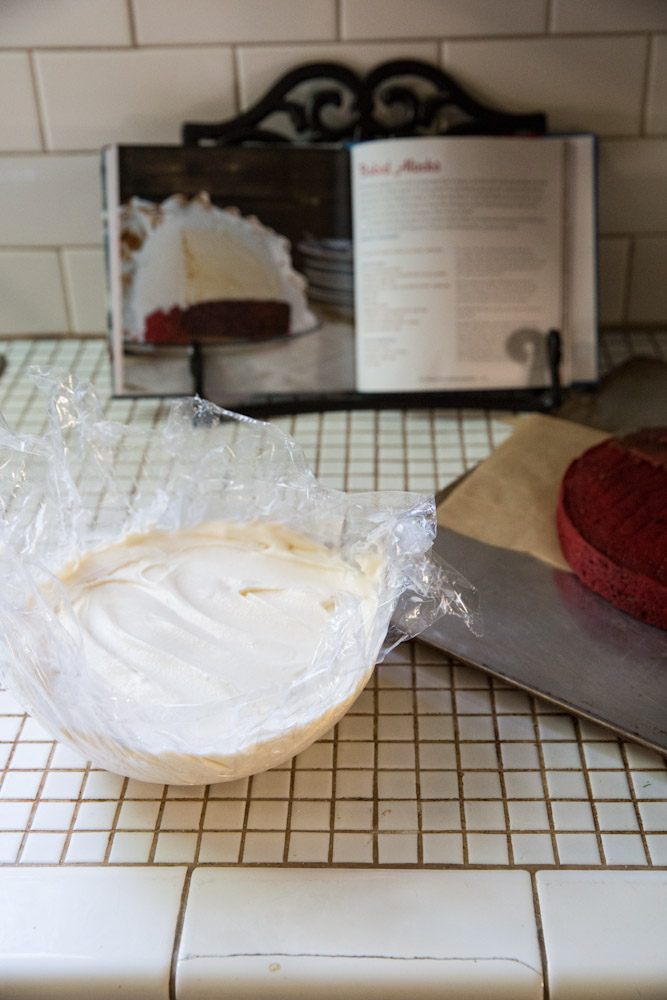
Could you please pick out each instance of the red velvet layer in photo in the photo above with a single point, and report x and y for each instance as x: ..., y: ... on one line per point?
x: 612, y: 522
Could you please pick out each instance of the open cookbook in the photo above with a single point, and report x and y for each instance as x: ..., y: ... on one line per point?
x: 390, y: 271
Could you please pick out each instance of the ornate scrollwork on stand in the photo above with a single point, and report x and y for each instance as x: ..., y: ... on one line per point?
x: 328, y: 102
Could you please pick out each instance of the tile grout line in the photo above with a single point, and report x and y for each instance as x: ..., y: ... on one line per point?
x: 541, y: 940
x: 545, y: 785
x: 501, y: 772
x: 178, y: 932
x: 635, y: 802
x: 589, y: 791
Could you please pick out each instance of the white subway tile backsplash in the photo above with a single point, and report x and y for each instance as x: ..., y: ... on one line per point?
x: 656, y: 105
x: 582, y: 84
x: 139, y: 95
x: 50, y: 200
x: 633, y: 190
x: 609, y: 15
x: 426, y: 18
x: 66, y: 23
x: 648, y: 280
x: 612, y: 278
x: 23, y: 311
x: 260, y: 66
x: 19, y: 124
x: 168, y: 22
x: 86, y: 289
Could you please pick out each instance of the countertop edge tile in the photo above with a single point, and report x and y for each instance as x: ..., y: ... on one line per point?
x: 326, y: 932
x: 89, y: 932
x: 604, y: 933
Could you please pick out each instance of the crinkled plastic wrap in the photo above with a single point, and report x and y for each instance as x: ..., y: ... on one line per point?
x: 68, y: 493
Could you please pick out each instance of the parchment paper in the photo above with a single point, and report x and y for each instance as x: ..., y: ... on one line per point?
x: 510, y: 498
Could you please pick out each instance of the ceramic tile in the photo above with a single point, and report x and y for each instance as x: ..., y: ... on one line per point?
x: 96, y: 815
x: 267, y: 815
x: 21, y: 311
x: 14, y: 815
x: 400, y: 816
x: 297, y: 938
x: 657, y: 845
x: 43, y: 848
x: 138, y: 815
x: 601, y: 16
x: 481, y: 785
x: 523, y: 785
x: 52, y: 816
x: 71, y: 23
x: 586, y: 942
x: 439, y: 756
x: 519, y: 756
x: 631, y: 195
x: 516, y: 727
x: 609, y: 785
x: 426, y: 19
x: 205, y: 21
x: 532, y: 849
x: 50, y: 200
x: 623, y: 849
x: 87, y: 847
x: 313, y: 815
x: 567, y: 785
x: 101, y: 785
x: 484, y: 816
x: 653, y: 815
x: 573, y: 816
x: 266, y: 848
x: 584, y: 84
x: 395, y: 755
x: 476, y: 727
x: 355, y: 784
x: 648, y: 293
x: 436, y: 728
x: 353, y: 816
x: 478, y: 755
x: 28, y: 755
x: 86, y: 290
x: 528, y: 815
x: 353, y: 848
x: 355, y: 754
x: 175, y: 847
x: 308, y: 848
x: 640, y: 758
x: 20, y: 784
x: 61, y: 929
x: 648, y: 784
x: 143, y: 790
x: 441, y: 816
x: 224, y: 814
x: 616, y: 816
x: 578, y: 849
x: 271, y: 784
x: 9, y: 846
x: 220, y: 848
x: 487, y: 849
x: 396, y: 784
x: 19, y: 122
x: 603, y: 756
x: 313, y: 784
x: 132, y: 95
x: 439, y: 785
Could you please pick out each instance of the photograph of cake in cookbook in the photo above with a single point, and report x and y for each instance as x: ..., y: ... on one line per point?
x: 229, y: 272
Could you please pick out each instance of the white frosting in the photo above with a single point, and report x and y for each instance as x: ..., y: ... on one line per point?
x: 216, y: 614
x: 166, y: 246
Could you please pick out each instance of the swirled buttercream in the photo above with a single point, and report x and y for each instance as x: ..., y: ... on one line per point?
x: 231, y: 616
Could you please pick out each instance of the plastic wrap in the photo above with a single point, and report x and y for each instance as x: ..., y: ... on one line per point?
x: 88, y: 483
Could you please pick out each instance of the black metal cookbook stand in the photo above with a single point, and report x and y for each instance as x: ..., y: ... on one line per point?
x: 326, y: 103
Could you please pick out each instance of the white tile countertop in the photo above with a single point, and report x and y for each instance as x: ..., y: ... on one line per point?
x: 452, y: 836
